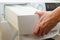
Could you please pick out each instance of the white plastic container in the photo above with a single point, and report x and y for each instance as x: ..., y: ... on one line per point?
x: 22, y: 18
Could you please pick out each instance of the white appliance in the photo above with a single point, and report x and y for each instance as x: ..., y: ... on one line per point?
x: 22, y: 18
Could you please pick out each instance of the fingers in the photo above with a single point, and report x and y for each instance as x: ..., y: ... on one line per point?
x: 46, y: 30
x: 49, y: 27
x: 40, y: 13
x: 36, y: 29
x: 43, y: 31
x: 39, y: 27
x: 43, y: 27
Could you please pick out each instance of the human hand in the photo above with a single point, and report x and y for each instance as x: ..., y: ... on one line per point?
x: 47, y: 21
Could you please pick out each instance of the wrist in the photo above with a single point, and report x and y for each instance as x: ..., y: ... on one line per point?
x: 57, y: 13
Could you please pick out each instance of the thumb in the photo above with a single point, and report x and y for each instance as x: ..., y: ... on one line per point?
x: 40, y: 13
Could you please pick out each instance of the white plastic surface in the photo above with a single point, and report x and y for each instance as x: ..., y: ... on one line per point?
x: 22, y: 10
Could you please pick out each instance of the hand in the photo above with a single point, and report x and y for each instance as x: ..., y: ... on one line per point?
x: 47, y: 21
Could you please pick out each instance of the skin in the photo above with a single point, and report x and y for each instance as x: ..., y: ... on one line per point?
x: 47, y: 21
